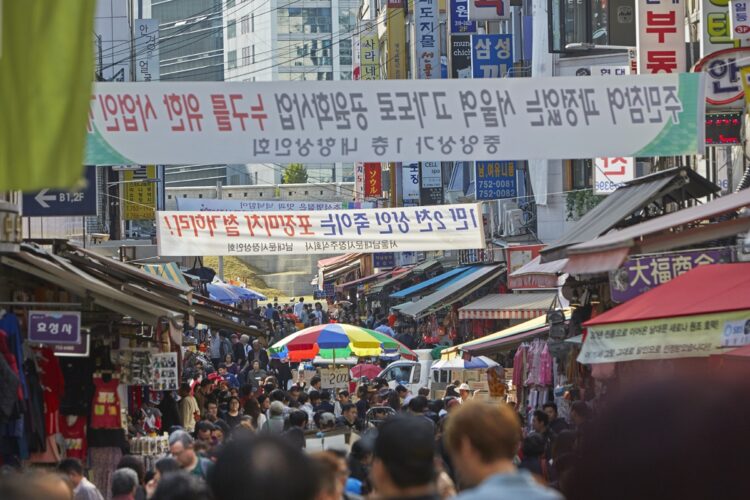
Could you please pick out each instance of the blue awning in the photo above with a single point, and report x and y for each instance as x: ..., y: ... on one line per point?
x: 428, y: 283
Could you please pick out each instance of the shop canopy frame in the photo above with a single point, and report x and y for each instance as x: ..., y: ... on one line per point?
x: 509, y: 306
x: 417, y: 269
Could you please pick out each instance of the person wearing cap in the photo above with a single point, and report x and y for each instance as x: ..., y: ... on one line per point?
x: 403, y: 465
x: 482, y: 440
x: 464, y: 392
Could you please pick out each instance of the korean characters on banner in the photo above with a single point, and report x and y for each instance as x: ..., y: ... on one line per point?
x: 612, y: 173
x: 491, y: 55
x: 146, y: 43
x: 410, y: 184
x: 660, y: 36
x: 140, y: 193
x: 489, y: 10
x: 359, y: 181
x: 369, y: 52
x: 459, y: 18
x: 405, y: 229
x: 495, y: 180
x: 740, y: 19
x: 373, y: 180
x: 427, y: 50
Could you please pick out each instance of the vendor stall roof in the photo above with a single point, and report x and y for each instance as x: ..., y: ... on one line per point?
x: 169, y: 271
x: 608, y: 252
x: 406, y: 292
x: 509, y: 306
x: 708, y: 289
x: 419, y: 268
x: 677, y: 184
x: 478, y: 277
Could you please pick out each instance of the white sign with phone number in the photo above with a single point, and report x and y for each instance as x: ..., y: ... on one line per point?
x: 334, y: 378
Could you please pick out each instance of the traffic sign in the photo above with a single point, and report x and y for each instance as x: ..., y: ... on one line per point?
x: 53, y: 203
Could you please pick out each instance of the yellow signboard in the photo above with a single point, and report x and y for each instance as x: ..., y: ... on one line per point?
x: 667, y: 338
x: 745, y: 72
x: 395, y: 56
x: 139, y: 193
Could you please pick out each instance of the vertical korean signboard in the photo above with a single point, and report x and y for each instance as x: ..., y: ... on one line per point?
x: 140, y: 193
x: 489, y: 10
x: 373, y: 181
x: 459, y: 18
x: 661, y: 36
x: 427, y: 53
x: 491, y: 55
x: 431, y: 184
x: 146, y: 41
x: 739, y: 15
x: 410, y: 183
x: 359, y: 181
x: 369, y: 52
x: 716, y: 27
x: 395, y: 26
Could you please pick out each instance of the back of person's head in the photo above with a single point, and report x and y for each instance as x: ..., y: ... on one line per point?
x: 135, y: 463
x: 550, y: 404
x: 347, y: 406
x: 645, y: 445
x: 325, y: 395
x: 298, y: 418
x: 406, y: 448
x: 418, y: 404
x: 277, y: 395
x: 303, y: 398
x: 424, y: 391
x: 564, y: 444
x: 541, y: 417
x: 581, y: 409
x: 124, y: 481
x: 490, y: 429
x: 314, y: 396
x: 265, y: 467
x: 70, y: 466
x: 276, y: 409
x: 328, y: 466
x: 166, y: 465
x: 533, y: 446
x: 179, y: 485
x: 35, y: 484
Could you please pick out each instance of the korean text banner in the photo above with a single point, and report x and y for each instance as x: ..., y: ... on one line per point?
x: 668, y: 338
x: 382, y: 121
x: 446, y: 227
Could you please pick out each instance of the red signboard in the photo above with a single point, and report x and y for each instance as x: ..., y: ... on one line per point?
x: 373, y: 181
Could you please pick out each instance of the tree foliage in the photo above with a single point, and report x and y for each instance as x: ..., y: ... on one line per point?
x: 295, y: 173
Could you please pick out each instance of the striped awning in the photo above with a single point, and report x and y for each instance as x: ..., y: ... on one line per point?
x: 170, y: 272
x: 508, y: 306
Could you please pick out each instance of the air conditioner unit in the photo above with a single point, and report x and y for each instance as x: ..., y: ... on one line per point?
x: 513, y: 222
x: 743, y: 248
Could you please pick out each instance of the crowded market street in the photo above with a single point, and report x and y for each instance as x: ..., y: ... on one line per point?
x: 365, y: 249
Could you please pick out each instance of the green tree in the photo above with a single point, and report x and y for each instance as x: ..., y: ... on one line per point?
x: 295, y: 173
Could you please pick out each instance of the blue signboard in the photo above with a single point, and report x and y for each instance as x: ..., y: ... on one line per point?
x: 491, y: 55
x: 53, y: 203
x: 459, y: 17
x: 384, y: 260
x: 495, y: 180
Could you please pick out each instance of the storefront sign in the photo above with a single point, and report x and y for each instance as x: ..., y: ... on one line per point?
x: 386, y: 260
x: 427, y: 60
x: 208, y: 205
x: 334, y: 378
x: 489, y: 10
x: 519, y: 256
x: 491, y: 55
x: 636, y: 115
x: 495, y: 180
x: 739, y: 15
x: 410, y: 182
x: 722, y: 68
x: 431, y: 184
x: 395, y: 27
x: 668, y: 338
x: 359, y: 181
x: 54, y: 327
x: 164, y: 372
x: 373, y: 180
x: 639, y: 275
x: 369, y: 52
x: 745, y: 72
x: 447, y: 227
x: 146, y: 49
x: 460, y: 60
x: 611, y: 173
x: 610, y: 70
x: 716, y: 27
x: 140, y: 193
x: 54, y: 203
x: 532, y: 281
x: 78, y: 350
x: 660, y: 36
x: 459, y: 17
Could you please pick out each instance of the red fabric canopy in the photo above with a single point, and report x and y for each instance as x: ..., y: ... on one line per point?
x: 703, y: 290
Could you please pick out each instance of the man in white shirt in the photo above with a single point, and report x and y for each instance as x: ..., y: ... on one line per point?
x: 83, y: 489
x: 298, y: 307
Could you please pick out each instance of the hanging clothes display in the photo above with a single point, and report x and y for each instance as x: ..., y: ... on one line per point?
x: 106, y: 403
x: 73, y: 429
x: 53, y: 386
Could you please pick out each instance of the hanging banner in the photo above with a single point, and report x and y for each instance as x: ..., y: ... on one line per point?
x: 146, y: 49
x: 459, y: 17
x: 395, y: 26
x: 431, y: 184
x: 447, y: 227
x: 611, y: 173
x: 140, y: 193
x: 427, y: 60
x: 373, y: 180
x: 410, y: 182
x: 208, y: 205
x: 495, y: 180
x: 380, y: 121
x: 739, y: 15
x: 667, y: 338
x: 357, y: 54
x: 369, y: 52
x: 660, y: 36
x: 491, y: 55
x: 489, y: 10
x: 359, y: 181
x: 460, y: 60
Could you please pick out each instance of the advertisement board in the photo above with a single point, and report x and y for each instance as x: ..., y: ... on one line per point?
x: 410, y: 182
x: 489, y: 10
x: 146, y: 49
x: 611, y: 173
x: 459, y: 18
x: 660, y: 36
x: 139, y: 193
x: 373, y: 180
x: 369, y: 52
x: 426, y: 46
x: 431, y: 183
x: 491, y: 55
x: 495, y: 180
x: 460, y: 56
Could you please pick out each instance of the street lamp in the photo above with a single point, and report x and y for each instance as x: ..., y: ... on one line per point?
x: 593, y: 46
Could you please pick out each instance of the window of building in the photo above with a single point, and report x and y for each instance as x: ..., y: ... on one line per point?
x: 590, y: 22
x: 230, y: 3
x: 231, y: 29
x: 245, y: 25
x: 232, y: 59
x: 304, y: 20
x: 252, y: 22
x: 245, y: 56
x: 580, y: 174
x: 345, y: 52
x: 253, y: 57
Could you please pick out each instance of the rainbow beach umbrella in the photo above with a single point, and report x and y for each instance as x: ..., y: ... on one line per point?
x: 338, y: 341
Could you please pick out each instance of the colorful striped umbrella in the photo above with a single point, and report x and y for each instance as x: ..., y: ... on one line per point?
x: 336, y: 340
x: 476, y: 362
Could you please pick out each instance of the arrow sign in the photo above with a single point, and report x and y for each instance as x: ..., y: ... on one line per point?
x: 53, y: 203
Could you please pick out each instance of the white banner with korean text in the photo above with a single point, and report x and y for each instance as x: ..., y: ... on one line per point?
x: 211, y: 205
x: 406, y: 229
x: 384, y: 121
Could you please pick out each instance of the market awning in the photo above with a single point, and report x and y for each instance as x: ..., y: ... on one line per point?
x: 504, y: 338
x: 373, y: 277
x: 169, y: 271
x: 621, y: 208
x: 478, y: 277
x: 535, y: 274
x: 695, y: 314
x: 509, y: 306
x: 416, y: 270
x: 608, y: 252
x: 406, y: 292
x: 339, y: 260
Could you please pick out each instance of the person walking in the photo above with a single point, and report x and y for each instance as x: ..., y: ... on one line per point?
x: 83, y: 489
